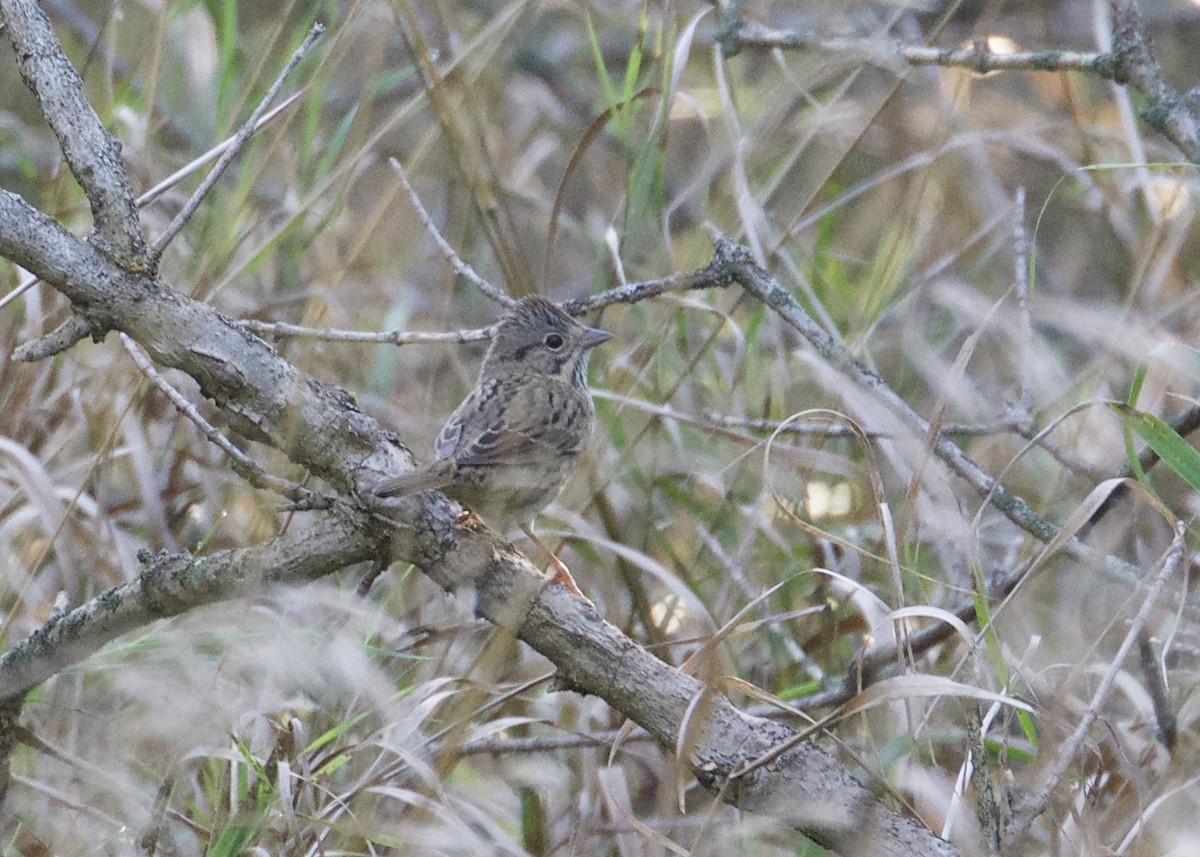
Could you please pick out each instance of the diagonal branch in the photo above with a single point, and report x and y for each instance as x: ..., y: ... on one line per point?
x: 264, y: 397
x: 170, y: 584
x: 805, y: 787
x: 93, y: 154
x: 233, y: 149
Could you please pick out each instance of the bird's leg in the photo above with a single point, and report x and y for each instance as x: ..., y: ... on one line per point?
x: 562, y: 574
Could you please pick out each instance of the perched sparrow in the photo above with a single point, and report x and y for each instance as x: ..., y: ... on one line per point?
x: 508, y: 448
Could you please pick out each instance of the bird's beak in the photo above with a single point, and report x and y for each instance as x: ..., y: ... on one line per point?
x: 593, y: 336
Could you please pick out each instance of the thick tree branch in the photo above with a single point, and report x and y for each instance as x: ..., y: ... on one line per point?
x: 93, y: 155
x: 264, y: 397
x: 805, y: 787
x: 170, y: 584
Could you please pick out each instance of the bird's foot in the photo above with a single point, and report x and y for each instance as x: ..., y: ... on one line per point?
x: 562, y: 577
x: 562, y: 574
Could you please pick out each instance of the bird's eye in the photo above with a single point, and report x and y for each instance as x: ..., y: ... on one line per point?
x: 553, y: 341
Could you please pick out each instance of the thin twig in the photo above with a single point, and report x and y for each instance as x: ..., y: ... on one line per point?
x: 1130, y: 63
x: 546, y: 743
x: 241, y: 464
x: 214, y: 153
x: 1035, y: 803
x: 239, y: 142
x: 872, y: 663
x: 727, y: 425
x: 168, y: 183
x: 282, y: 330
x: 71, y: 331
x: 768, y: 290
x: 1152, y: 677
x: 763, y: 286
x: 1024, y: 317
x: 717, y: 420
x: 833, y: 430
x: 378, y: 567
x: 464, y: 270
x: 979, y: 57
x: 1068, y: 458
x: 25, y: 286
x: 716, y: 273
x: 1134, y: 65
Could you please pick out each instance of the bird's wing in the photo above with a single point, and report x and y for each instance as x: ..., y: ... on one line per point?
x: 467, y: 413
x: 536, y: 421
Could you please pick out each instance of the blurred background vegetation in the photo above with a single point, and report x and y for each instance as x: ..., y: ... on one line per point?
x: 317, y: 722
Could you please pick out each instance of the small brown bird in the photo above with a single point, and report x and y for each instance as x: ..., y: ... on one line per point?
x: 507, y: 450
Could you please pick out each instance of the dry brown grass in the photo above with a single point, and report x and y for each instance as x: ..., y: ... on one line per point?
x: 312, y: 721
